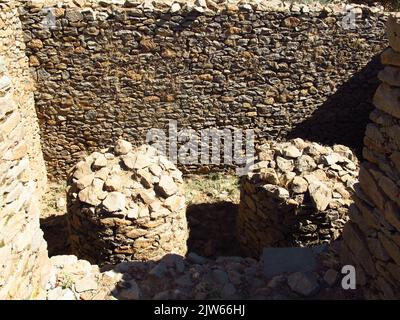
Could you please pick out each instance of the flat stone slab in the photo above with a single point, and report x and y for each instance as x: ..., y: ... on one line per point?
x: 292, y: 259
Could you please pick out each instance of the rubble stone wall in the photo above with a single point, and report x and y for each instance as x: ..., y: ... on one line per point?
x: 126, y: 204
x: 108, y: 71
x: 24, y: 263
x: 372, y: 238
x: 297, y: 194
x: 12, y: 49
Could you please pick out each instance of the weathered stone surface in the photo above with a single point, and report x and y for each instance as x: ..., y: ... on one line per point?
x: 393, y: 33
x: 390, y: 57
x: 304, y: 284
x: 24, y: 263
x: 387, y: 99
x: 75, y: 93
x: 295, y: 202
x: 331, y: 277
x: 167, y: 186
x: 124, y: 215
x: 390, y: 75
x: 320, y: 195
x: 114, y: 201
x: 122, y: 147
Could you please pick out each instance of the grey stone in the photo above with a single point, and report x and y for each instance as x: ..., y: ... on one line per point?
x: 303, y: 283
x: 130, y: 290
x: 331, y: 277
x: 195, y: 258
x: 159, y: 270
x: 114, y: 201
x: 279, y: 260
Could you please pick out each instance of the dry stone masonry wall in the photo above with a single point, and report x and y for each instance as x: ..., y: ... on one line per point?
x: 126, y: 204
x: 24, y: 263
x: 12, y: 49
x: 105, y: 71
x: 372, y: 238
x: 298, y: 194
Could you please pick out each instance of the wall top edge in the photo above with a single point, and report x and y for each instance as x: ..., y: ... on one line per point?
x: 202, y: 6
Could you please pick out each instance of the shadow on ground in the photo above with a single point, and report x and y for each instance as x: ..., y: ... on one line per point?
x: 56, y: 235
x: 212, y: 229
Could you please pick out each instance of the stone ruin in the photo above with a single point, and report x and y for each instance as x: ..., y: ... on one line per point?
x: 126, y: 204
x: 370, y: 239
x: 297, y: 194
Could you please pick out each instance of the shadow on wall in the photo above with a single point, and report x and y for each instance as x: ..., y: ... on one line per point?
x: 334, y: 121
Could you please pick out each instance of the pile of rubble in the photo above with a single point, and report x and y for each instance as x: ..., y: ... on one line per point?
x: 126, y: 204
x: 297, y: 194
x: 310, y: 274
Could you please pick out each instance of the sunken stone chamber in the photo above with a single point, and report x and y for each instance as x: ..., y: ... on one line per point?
x: 126, y: 204
x: 297, y: 194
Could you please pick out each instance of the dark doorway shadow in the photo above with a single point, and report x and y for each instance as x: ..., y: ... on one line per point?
x: 342, y: 118
x: 212, y: 229
x: 56, y: 235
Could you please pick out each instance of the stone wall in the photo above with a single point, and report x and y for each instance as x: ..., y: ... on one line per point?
x: 12, y: 49
x: 126, y: 204
x: 24, y: 264
x: 107, y: 71
x: 297, y: 194
x: 372, y: 239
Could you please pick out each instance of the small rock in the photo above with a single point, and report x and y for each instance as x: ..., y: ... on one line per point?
x: 61, y: 203
x: 228, y: 290
x: 167, y: 186
x: 330, y: 159
x: 219, y: 276
x: 291, y: 152
x: 331, y: 277
x: 184, y: 281
x: 195, y: 258
x: 284, y: 164
x: 175, y: 7
x: 299, y: 185
x: 159, y: 270
x: 130, y: 290
x: 100, y: 162
x: 302, y: 283
x: 122, y: 147
x: 85, y: 284
x: 305, y: 163
x: 320, y: 195
x: 113, y: 183
x: 114, y: 201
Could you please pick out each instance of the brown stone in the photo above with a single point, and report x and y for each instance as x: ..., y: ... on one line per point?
x: 390, y: 57
x: 387, y: 99
x: 391, y: 248
x: 393, y: 33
